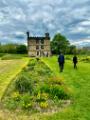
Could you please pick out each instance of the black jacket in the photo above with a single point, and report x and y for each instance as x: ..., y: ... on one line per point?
x: 75, y: 59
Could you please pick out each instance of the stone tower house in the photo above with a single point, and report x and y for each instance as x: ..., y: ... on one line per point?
x: 38, y: 46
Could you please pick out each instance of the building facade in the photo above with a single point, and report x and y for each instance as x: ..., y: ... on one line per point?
x: 38, y: 46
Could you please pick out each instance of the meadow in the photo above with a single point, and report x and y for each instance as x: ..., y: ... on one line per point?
x: 78, y: 82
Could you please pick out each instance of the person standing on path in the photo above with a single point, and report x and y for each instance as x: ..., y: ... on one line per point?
x: 75, y: 60
x: 61, y: 61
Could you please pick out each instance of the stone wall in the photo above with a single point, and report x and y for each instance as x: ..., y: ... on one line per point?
x: 32, y: 51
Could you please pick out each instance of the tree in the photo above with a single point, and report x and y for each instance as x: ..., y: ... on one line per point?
x: 72, y: 49
x: 21, y: 49
x: 59, y: 43
x: 8, y: 48
x: 13, y: 48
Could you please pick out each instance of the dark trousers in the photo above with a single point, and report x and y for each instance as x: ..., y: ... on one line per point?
x: 61, y: 66
x: 75, y: 65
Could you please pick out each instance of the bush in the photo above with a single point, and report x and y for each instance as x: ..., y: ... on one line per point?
x: 45, y: 88
x: 23, y: 84
x: 26, y: 101
x: 53, y: 91
x: 11, y: 104
x: 58, y: 91
x: 21, y: 49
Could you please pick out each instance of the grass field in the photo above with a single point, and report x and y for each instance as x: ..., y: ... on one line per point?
x: 77, y: 80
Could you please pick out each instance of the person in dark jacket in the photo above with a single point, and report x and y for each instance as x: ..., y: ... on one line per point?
x: 61, y: 61
x: 75, y: 61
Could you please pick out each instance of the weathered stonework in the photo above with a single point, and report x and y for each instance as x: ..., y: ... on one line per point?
x: 38, y: 46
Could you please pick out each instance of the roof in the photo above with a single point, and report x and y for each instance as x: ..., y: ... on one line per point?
x: 38, y: 38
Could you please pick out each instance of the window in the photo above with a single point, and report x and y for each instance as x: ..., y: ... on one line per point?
x: 37, y: 47
x: 42, y: 46
x: 37, y: 41
x: 42, y: 41
x: 37, y: 53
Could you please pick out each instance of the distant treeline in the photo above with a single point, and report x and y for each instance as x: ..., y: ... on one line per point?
x: 13, y: 48
x: 84, y: 50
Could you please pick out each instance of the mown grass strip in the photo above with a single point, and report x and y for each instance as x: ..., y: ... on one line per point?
x: 9, y: 69
x: 79, y: 81
x: 54, y: 68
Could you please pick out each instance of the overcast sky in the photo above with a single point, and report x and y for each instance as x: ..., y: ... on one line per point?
x: 69, y: 17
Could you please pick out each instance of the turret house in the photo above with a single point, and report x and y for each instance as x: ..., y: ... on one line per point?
x: 38, y: 46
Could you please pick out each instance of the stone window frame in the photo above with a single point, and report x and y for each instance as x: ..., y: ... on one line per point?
x: 42, y: 41
x: 37, y: 47
x: 37, y: 41
x: 42, y: 46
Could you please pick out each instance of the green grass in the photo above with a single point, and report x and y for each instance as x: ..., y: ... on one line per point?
x: 79, y: 81
x: 8, y: 70
x: 12, y: 56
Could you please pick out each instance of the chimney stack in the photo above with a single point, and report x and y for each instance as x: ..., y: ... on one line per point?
x: 27, y: 34
x: 47, y: 35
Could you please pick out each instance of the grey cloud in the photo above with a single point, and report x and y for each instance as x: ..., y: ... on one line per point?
x: 71, y: 18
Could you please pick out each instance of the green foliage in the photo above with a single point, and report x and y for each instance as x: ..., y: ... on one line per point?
x: 8, y: 48
x: 41, y: 97
x: 31, y: 65
x: 59, y: 92
x: 26, y: 101
x: 33, y: 89
x: 23, y: 84
x: 87, y: 59
x: 72, y: 49
x: 13, y: 48
x: 59, y: 43
x: 84, y: 51
x: 42, y: 69
x: 23, y: 101
x: 44, y: 105
x: 45, y: 88
x: 21, y: 49
x: 11, y: 104
x: 55, y: 91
